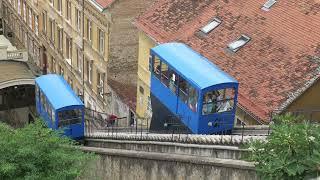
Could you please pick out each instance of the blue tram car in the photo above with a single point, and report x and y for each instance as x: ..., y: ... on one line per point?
x: 188, y: 86
x: 59, y: 106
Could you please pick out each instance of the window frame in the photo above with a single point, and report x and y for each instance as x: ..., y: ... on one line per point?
x: 217, y: 102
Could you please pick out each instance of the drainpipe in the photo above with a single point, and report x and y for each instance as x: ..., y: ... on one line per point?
x: 82, y: 34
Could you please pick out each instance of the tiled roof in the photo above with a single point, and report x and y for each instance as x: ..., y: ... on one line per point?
x: 126, y: 92
x: 104, y: 3
x: 280, y: 61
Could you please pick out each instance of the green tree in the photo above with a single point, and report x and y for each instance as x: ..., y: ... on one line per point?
x: 292, y: 151
x: 35, y: 152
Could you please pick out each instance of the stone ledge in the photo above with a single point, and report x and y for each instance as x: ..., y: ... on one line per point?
x: 219, y: 147
x: 227, y: 163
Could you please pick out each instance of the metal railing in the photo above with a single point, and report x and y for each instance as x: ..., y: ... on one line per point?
x: 104, y: 125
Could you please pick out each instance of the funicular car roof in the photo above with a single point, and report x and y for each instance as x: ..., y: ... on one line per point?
x: 57, y: 91
x: 190, y: 64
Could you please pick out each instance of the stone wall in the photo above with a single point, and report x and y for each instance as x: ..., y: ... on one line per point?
x: 123, y: 61
x: 115, y: 164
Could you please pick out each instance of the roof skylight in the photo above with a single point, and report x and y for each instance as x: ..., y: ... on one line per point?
x: 211, y: 25
x: 268, y: 5
x: 236, y: 45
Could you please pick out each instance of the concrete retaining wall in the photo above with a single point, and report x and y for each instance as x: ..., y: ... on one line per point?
x: 213, y: 151
x: 116, y: 164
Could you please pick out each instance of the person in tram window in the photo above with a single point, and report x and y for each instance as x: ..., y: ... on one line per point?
x: 207, y: 105
x: 219, y: 100
x: 172, y: 82
x: 192, y: 99
x: 213, y: 108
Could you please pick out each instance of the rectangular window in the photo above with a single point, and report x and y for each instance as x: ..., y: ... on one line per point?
x: 53, y: 65
x: 90, y: 72
x: 30, y: 18
x: 101, y: 41
x: 52, y: 28
x: 60, y: 6
x: 69, y: 49
x: 78, y: 19
x: 79, y: 60
x: 164, y: 74
x: 53, y: 118
x: 193, y: 99
x: 101, y: 84
x: 61, y: 71
x: 44, y: 22
x: 211, y: 25
x: 239, y: 43
x: 19, y: 7
x: 68, y: 117
x: 89, y: 30
x: 68, y: 10
x: 218, y: 101
x: 36, y: 24
x: 60, y: 39
x: 157, y: 66
x: 173, y: 81
x: 183, y: 90
x: 24, y: 11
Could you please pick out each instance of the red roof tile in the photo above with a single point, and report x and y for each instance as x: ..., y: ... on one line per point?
x: 282, y: 57
x: 104, y: 3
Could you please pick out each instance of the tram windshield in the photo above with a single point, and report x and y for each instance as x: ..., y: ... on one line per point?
x: 218, y: 101
x: 69, y: 117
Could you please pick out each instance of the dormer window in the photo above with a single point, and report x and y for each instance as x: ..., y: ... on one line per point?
x: 211, y: 25
x: 268, y: 5
x: 236, y: 45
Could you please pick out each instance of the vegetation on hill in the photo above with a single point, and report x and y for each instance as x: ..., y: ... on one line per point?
x: 35, y: 152
x: 292, y: 151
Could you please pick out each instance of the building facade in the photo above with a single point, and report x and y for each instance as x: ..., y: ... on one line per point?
x: 20, y: 22
x: 81, y: 40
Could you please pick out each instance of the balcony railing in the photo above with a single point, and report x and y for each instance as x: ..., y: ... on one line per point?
x: 19, y: 55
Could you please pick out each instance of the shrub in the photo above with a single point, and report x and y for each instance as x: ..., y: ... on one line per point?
x: 292, y: 151
x: 35, y: 152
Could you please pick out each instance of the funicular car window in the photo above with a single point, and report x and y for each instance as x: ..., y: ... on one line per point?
x: 193, y: 99
x: 43, y: 101
x: 53, y: 117
x: 164, y: 74
x: 218, y: 101
x: 69, y: 117
x: 157, y: 66
x: 173, y: 81
x: 37, y: 91
x: 183, y: 90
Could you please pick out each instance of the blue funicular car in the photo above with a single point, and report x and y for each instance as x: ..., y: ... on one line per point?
x: 188, y: 86
x: 59, y: 106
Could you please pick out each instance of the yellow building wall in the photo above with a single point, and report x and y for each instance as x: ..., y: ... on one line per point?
x: 245, y: 118
x: 309, y: 100
x: 145, y: 44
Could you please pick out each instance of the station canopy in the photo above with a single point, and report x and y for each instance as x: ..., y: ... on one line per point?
x: 193, y: 66
x: 14, y: 73
x: 58, y: 91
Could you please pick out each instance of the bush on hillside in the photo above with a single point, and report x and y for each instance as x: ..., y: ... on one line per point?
x: 292, y: 151
x: 35, y: 152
